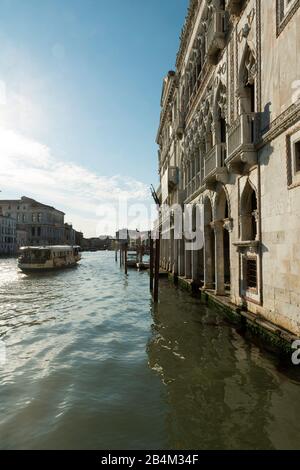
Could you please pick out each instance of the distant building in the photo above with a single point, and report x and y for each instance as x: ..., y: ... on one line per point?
x: 97, y: 243
x: 44, y: 224
x: 69, y: 235
x: 78, y: 238
x: 134, y: 238
x: 7, y: 235
x: 22, y: 238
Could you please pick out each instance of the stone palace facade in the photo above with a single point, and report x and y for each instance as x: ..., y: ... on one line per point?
x: 229, y: 138
x: 43, y: 224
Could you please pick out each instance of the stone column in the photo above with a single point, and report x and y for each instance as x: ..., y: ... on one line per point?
x: 188, y: 259
x: 195, y: 273
x: 167, y: 254
x: 176, y: 257
x: 208, y: 258
x: 173, y: 243
x: 219, y: 257
x: 181, y: 267
x: 200, y: 265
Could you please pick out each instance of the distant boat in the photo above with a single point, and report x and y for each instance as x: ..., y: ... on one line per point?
x: 143, y: 265
x: 48, y: 258
x: 131, y: 260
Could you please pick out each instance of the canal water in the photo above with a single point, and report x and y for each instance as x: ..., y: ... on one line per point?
x: 91, y: 365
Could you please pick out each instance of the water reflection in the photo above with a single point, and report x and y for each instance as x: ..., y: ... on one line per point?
x: 223, y: 392
x: 79, y: 344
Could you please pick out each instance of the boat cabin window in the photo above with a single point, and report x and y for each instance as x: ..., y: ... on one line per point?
x: 36, y: 255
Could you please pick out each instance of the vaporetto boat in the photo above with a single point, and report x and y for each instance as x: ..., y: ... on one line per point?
x: 46, y: 258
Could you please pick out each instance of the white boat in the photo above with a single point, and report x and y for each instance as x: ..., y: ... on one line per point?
x: 143, y: 265
x: 131, y: 260
x: 46, y: 258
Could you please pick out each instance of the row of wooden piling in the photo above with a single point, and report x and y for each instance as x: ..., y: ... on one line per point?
x: 122, y: 248
x: 154, y: 267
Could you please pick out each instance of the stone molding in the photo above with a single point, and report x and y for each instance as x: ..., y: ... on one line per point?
x: 187, y: 30
x: 281, y: 23
x: 282, y: 123
x: 290, y: 183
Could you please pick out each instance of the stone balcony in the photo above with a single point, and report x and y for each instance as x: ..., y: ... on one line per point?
x: 216, y: 34
x: 241, y: 140
x: 179, y: 125
x: 234, y: 6
x: 214, y: 166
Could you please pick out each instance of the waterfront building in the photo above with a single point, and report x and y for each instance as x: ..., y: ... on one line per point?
x: 22, y: 238
x: 229, y: 140
x: 104, y: 242
x: 78, y: 238
x: 69, y: 234
x: 135, y: 238
x: 7, y: 235
x: 44, y: 224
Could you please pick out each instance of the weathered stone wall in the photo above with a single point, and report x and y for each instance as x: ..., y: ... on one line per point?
x: 273, y: 40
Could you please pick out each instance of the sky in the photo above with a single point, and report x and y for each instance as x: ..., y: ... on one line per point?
x: 80, y: 87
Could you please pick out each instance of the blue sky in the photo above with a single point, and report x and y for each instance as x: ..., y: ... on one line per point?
x: 82, y: 79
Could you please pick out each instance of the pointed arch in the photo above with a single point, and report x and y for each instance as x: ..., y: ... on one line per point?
x: 248, y: 212
x: 220, y: 113
x: 222, y: 208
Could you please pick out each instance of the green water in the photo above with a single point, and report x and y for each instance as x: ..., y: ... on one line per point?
x: 90, y: 365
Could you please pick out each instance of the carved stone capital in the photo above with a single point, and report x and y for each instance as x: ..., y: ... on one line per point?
x: 228, y: 225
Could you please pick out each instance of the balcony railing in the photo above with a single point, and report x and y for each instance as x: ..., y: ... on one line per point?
x: 179, y: 125
x: 214, y: 165
x: 214, y: 162
x: 243, y: 133
x: 216, y: 33
x: 241, y: 140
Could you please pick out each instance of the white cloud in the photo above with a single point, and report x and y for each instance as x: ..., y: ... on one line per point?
x: 28, y: 168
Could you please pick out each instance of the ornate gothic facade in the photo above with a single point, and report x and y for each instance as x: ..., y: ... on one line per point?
x: 229, y: 138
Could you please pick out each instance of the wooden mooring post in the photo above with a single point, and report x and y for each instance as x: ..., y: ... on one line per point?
x: 151, y: 261
x: 156, y: 268
x: 157, y: 247
x: 125, y: 258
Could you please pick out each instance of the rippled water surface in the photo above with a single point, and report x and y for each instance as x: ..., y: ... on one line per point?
x: 91, y: 365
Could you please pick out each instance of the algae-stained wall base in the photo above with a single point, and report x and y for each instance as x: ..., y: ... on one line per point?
x: 262, y: 333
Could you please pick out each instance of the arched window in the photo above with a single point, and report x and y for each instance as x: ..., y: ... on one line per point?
x: 249, y: 228
x: 220, y: 115
x: 209, y: 134
x: 222, y: 206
